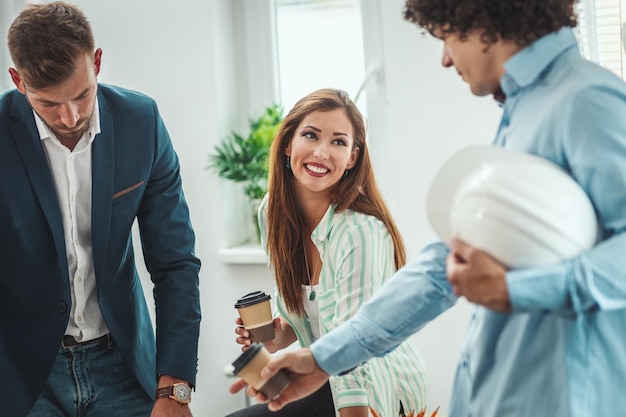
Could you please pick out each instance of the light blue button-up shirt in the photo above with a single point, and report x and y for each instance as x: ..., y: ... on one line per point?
x: 562, y: 351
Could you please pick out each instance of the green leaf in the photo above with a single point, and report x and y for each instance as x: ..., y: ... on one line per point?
x: 244, y: 159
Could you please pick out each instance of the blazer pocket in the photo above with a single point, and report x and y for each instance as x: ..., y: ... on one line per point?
x: 126, y: 192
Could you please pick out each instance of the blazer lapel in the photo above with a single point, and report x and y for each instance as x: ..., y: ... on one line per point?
x: 103, y: 168
x: 34, y: 159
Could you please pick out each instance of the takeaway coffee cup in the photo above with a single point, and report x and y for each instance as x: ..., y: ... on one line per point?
x: 256, y: 313
x: 248, y: 366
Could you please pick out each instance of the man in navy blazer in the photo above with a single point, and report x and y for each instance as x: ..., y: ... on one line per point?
x: 79, y: 163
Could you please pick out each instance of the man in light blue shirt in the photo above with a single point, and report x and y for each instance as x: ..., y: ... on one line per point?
x: 546, y: 341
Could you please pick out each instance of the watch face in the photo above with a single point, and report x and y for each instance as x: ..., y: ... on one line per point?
x: 182, y: 392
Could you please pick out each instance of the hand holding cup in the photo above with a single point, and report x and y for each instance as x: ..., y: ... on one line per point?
x: 255, y: 312
x: 243, y: 336
x: 248, y: 367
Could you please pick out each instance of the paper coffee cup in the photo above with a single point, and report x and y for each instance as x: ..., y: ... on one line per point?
x: 256, y: 313
x: 248, y: 367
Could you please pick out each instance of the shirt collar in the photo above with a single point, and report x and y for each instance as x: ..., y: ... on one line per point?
x: 92, y: 131
x: 523, y: 68
x: 321, y: 232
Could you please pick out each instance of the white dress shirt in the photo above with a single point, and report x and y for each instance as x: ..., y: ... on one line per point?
x: 71, y: 172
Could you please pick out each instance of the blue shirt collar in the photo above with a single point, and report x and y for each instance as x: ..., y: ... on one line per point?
x: 525, y: 67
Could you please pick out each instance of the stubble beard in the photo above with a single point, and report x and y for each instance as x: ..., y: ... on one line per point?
x: 70, y: 136
x: 66, y: 136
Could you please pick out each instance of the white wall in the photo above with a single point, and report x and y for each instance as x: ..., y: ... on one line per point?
x: 430, y: 113
x: 182, y: 53
x: 8, y: 10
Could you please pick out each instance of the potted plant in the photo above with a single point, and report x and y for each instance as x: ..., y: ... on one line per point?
x: 243, y: 159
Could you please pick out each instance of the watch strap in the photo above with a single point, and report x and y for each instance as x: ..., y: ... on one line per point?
x: 165, y: 392
x: 168, y: 392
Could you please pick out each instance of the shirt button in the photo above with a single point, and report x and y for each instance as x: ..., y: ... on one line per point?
x: 79, y: 319
x: 62, y: 308
x: 79, y: 279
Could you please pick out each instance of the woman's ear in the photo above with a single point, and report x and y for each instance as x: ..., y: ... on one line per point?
x: 354, y: 156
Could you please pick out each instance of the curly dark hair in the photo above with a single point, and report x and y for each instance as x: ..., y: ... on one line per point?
x: 519, y: 21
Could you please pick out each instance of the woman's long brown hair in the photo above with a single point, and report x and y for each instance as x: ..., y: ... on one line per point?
x: 358, y: 192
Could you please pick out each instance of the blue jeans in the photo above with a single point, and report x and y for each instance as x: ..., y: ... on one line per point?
x: 92, y: 380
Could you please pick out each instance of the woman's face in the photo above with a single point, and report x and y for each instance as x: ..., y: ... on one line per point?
x: 321, y: 150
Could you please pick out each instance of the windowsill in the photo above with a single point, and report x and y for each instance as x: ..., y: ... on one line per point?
x: 246, y: 253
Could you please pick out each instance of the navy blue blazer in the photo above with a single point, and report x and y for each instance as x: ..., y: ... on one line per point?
x: 135, y: 175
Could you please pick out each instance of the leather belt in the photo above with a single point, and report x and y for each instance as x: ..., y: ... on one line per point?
x: 69, y: 341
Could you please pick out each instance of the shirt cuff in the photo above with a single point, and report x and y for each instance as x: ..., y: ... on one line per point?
x: 351, y: 398
x: 339, y: 351
x: 538, y: 289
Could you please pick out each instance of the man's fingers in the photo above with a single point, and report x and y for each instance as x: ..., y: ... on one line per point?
x: 252, y: 392
x: 277, y: 363
x: 461, y: 250
x: 276, y: 404
x: 289, y: 395
x: 237, y: 386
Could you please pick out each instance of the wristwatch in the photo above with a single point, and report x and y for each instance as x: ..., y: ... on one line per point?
x: 179, y: 392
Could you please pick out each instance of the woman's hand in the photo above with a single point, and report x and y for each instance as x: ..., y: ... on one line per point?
x: 284, y: 336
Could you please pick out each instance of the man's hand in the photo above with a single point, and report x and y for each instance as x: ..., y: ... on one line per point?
x: 478, y: 277
x: 306, y: 378
x: 166, y: 407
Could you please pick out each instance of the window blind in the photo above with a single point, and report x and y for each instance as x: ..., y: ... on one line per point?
x: 602, y: 31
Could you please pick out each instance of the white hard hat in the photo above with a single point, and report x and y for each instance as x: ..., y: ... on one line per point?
x: 523, y: 210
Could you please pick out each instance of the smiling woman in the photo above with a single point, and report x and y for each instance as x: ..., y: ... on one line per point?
x: 321, y: 152
x: 287, y: 56
x: 332, y: 243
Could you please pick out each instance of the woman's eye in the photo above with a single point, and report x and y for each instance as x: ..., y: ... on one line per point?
x: 340, y: 142
x: 309, y: 135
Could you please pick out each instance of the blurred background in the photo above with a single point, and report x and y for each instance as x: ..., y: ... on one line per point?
x: 213, y: 64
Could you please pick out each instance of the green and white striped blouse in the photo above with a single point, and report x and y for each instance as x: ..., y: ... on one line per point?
x: 357, y: 256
